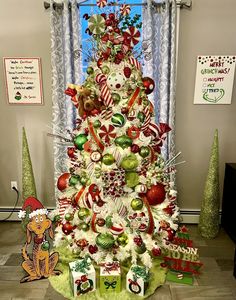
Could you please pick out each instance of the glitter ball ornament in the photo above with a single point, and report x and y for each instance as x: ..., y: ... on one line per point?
x: 100, y: 222
x: 83, y: 213
x: 144, y: 151
x: 84, y: 226
x: 135, y: 148
x: 74, y: 179
x: 116, y: 97
x: 156, y: 251
x: 129, y: 162
x: 97, y: 124
x: 80, y: 140
x: 122, y: 239
x: 93, y: 249
x: 137, y: 204
x: 156, y: 194
x: 68, y: 217
x: 67, y: 228
x: 108, y: 159
x: 63, y: 181
x: 90, y: 70
x: 105, y: 240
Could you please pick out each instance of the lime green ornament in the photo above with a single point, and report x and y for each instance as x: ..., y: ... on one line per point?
x: 116, y: 97
x: 122, y: 239
x: 108, y: 159
x: 118, y: 120
x: 144, y: 151
x: 83, y: 213
x: 74, y: 179
x: 68, y: 217
x: 123, y: 141
x: 90, y: 70
x: 141, y: 116
x: 132, y: 179
x: 84, y: 226
x: 141, y: 249
x: 105, y: 240
x: 45, y: 246
x: 97, y: 124
x: 129, y: 162
x: 105, y: 70
x: 109, y: 222
x: 57, y: 218
x: 96, y: 24
x: 80, y: 140
x: 137, y: 204
x: 83, y: 180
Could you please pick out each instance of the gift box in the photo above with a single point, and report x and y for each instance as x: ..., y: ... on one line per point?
x: 137, y: 280
x: 110, y: 278
x: 82, y: 276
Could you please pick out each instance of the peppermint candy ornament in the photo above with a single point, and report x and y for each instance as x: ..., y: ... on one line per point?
x: 107, y: 133
x: 96, y: 24
x: 101, y: 3
x: 131, y: 36
x: 125, y: 9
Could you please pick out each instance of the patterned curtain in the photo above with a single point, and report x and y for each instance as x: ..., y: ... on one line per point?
x: 159, y: 26
x: 66, y: 68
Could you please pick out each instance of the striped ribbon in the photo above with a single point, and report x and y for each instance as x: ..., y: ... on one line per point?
x: 134, y: 62
x: 63, y: 205
x: 133, y: 98
x: 95, y: 137
x: 79, y: 194
x: 105, y: 92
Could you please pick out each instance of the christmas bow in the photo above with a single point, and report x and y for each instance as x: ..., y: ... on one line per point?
x: 83, y: 265
x: 110, y: 284
x: 140, y: 272
x: 109, y: 267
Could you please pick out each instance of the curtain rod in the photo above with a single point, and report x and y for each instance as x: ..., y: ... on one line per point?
x: 180, y: 3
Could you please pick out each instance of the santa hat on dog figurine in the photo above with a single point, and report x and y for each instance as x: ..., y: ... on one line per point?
x: 35, y: 206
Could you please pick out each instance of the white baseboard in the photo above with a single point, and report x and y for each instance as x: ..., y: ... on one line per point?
x: 188, y: 216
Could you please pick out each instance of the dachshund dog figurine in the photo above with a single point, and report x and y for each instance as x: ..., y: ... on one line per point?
x: 42, y: 264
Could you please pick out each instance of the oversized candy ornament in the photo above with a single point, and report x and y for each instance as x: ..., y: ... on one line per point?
x: 116, y: 81
x: 148, y: 84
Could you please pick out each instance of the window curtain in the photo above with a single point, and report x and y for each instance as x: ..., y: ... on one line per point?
x: 159, y: 31
x: 66, y: 68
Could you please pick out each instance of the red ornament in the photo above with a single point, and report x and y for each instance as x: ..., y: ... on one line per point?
x: 93, y: 249
x: 133, y: 132
x: 67, y: 228
x: 63, y: 181
x: 156, y: 251
x: 148, y: 84
x: 100, y: 222
x: 71, y: 152
x: 127, y: 72
x: 82, y: 243
x: 135, y: 148
x: 156, y: 194
x: 99, y: 62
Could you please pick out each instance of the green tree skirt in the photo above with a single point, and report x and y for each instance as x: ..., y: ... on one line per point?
x: 62, y: 285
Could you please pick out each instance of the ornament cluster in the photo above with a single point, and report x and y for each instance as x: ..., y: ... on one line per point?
x: 117, y: 200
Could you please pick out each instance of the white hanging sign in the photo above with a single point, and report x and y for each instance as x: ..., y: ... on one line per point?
x: 23, y: 80
x: 214, y: 79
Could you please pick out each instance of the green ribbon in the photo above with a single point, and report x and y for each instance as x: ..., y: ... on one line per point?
x: 140, y: 272
x: 110, y: 284
x: 83, y: 265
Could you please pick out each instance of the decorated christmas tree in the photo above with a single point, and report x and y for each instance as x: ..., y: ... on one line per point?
x: 116, y: 202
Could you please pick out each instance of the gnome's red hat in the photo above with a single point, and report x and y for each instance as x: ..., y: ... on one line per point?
x: 36, y: 208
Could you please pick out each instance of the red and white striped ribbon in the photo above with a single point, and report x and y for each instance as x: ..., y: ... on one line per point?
x: 106, y: 114
x: 134, y: 62
x: 63, y: 205
x: 147, y: 119
x: 105, y: 92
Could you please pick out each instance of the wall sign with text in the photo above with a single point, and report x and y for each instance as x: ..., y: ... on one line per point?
x: 214, y: 79
x: 23, y: 80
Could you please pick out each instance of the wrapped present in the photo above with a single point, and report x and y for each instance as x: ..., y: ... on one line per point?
x: 110, y: 277
x: 137, y: 280
x: 82, y: 276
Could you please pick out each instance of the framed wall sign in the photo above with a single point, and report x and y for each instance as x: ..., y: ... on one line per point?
x: 214, y: 79
x: 23, y: 80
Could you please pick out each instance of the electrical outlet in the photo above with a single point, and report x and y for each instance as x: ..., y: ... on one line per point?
x: 13, y: 184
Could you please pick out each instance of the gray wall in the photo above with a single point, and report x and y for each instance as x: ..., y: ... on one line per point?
x: 24, y: 31
x: 209, y: 28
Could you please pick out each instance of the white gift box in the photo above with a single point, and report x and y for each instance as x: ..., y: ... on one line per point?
x: 134, y: 283
x: 82, y: 282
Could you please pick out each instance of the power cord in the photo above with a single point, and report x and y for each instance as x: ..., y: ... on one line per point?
x: 17, y: 199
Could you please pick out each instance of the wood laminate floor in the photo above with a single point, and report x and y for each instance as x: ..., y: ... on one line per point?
x: 215, y: 283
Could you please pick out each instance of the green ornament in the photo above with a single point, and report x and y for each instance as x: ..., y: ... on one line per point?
x: 108, y: 159
x: 96, y: 124
x: 83, y: 180
x: 141, y: 249
x: 129, y: 162
x: 83, y: 213
x: 118, y: 120
x: 132, y: 179
x: 141, y: 116
x: 144, y: 151
x: 90, y: 70
x: 45, y: 246
x: 84, y: 226
x: 57, y: 218
x: 105, y: 240
x: 123, y: 141
x: 122, y: 239
x: 105, y: 70
x: 109, y: 222
x: 74, y: 179
x: 137, y: 204
x: 68, y: 217
x: 80, y: 140
x: 116, y: 97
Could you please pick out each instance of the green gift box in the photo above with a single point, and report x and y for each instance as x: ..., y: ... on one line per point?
x: 110, y: 278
